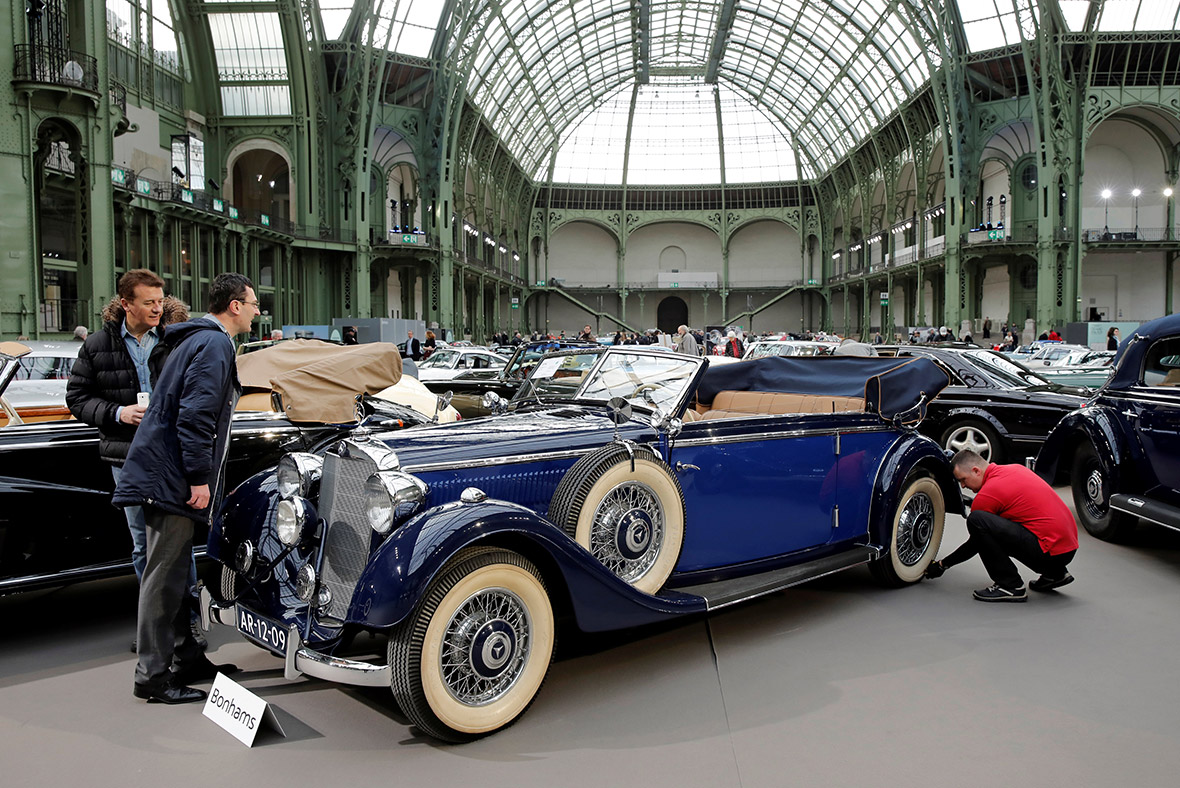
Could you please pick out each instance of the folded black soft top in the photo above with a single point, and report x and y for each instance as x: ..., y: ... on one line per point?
x: 889, y: 386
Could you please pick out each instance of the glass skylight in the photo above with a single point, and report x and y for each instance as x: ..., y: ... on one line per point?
x: 404, y: 26
x: 249, y: 49
x: 1132, y: 15
x: 991, y: 24
x: 822, y: 74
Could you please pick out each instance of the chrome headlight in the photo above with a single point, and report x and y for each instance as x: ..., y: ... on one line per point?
x: 297, y: 472
x: 295, y: 518
x: 391, y: 497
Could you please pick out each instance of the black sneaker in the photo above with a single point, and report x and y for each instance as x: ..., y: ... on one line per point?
x: 997, y: 593
x: 1046, y: 583
x: 935, y: 570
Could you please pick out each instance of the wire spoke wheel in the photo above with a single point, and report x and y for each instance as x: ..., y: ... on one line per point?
x: 915, y: 535
x: 473, y: 655
x: 628, y: 530
x: 627, y: 511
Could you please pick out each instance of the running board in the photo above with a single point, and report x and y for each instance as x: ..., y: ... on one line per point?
x: 731, y: 592
x: 1150, y: 510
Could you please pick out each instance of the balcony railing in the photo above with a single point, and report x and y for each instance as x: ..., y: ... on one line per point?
x: 1123, y: 235
x: 55, y: 66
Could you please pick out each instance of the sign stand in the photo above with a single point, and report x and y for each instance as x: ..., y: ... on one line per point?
x: 239, y: 711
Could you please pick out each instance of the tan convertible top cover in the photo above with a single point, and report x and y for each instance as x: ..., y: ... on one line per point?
x: 320, y: 381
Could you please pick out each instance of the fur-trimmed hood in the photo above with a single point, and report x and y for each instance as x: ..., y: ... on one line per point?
x: 175, y: 311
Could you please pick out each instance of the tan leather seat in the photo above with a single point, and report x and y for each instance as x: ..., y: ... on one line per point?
x: 735, y: 404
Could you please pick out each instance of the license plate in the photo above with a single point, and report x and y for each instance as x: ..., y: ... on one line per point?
x: 262, y: 630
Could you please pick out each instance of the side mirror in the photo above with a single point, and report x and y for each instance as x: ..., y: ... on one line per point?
x: 441, y: 404
x: 619, y: 410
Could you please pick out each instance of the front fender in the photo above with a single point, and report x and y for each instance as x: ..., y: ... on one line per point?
x: 401, y: 570
x: 244, y: 514
x: 976, y: 413
x: 1098, y: 425
x: 912, y: 452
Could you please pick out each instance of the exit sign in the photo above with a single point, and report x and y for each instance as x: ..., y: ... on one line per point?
x: 995, y: 235
x: 409, y: 239
x: 675, y: 284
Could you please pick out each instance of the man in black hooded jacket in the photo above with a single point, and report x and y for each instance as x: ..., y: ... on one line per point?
x: 175, y: 470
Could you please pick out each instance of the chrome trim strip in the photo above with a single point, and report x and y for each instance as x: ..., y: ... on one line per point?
x: 776, y: 434
x: 49, y: 444
x: 1138, y: 513
x: 488, y: 462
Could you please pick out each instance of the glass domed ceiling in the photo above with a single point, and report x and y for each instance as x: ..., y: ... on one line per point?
x: 784, y: 88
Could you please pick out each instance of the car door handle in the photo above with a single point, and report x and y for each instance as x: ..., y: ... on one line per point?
x: 681, y: 467
x: 1130, y: 414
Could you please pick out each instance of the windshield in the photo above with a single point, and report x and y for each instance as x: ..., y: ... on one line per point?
x: 1007, y: 372
x: 559, y: 377
x: 650, y: 380
x: 443, y: 359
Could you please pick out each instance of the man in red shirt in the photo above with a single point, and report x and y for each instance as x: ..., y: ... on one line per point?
x: 1015, y: 514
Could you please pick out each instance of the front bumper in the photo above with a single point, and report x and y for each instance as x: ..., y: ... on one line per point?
x: 299, y: 659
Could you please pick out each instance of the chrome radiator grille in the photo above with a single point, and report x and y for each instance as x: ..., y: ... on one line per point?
x: 346, y: 543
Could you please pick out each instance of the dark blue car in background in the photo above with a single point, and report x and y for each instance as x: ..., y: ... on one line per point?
x: 1121, y: 450
x: 628, y: 486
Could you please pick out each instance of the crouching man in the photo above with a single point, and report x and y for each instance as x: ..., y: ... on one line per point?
x: 1015, y: 514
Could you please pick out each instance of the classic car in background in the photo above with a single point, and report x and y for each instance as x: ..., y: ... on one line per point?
x: 1121, y: 452
x: 448, y: 362
x: 788, y: 347
x: 993, y: 405
x: 53, y: 467
x: 469, y: 387
x: 658, y: 486
x: 38, y: 389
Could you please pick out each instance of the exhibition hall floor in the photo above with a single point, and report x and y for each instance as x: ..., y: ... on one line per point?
x: 837, y: 682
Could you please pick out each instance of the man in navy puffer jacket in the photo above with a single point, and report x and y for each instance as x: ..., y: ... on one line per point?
x: 175, y: 470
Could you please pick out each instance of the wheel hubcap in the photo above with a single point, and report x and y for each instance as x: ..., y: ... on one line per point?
x: 970, y: 438
x: 915, y: 529
x: 1095, y: 492
x: 628, y: 530
x: 485, y: 647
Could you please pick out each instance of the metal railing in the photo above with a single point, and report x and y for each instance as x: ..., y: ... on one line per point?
x: 1124, y: 235
x: 55, y: 66
x: 118, y: 95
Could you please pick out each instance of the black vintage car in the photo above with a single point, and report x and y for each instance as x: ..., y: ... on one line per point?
x: 469, y: 387
x: 1121, y: 452
x: 57, y: 524
x: 993, y: 405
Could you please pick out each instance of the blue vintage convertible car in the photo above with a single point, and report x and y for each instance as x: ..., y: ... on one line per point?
x: 628, y: 486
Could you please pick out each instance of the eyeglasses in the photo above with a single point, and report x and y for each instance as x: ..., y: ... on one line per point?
x: 251, y: 303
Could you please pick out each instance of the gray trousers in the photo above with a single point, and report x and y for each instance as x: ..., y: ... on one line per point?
x: 163, y: 635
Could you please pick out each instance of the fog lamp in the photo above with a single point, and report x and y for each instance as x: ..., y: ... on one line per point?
x: 305, y: 582
x: 244, y: 558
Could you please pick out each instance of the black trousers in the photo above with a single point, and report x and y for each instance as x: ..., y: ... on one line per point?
x: 997, y: 541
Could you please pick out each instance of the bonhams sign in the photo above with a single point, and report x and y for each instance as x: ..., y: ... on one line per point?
x: 239, y: 711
